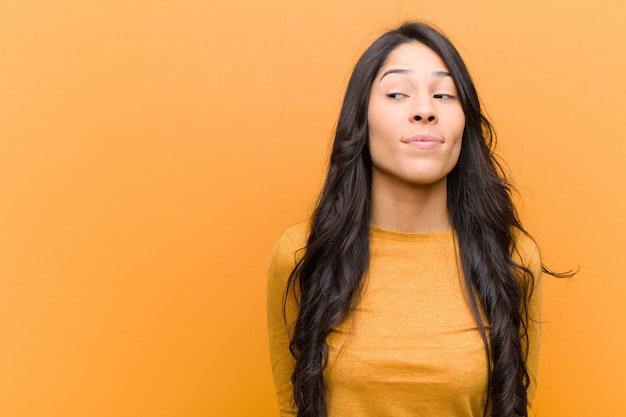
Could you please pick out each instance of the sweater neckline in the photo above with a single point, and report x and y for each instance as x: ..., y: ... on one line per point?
x: 381, y: 233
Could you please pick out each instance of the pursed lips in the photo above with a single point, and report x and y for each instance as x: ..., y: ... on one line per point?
x: 423, y: 141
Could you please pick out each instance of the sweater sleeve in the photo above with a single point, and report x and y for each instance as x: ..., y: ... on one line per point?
x: 282, y: 263
x: 530, y: 258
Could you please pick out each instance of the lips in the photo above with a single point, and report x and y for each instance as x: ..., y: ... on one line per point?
x: 423, y: 141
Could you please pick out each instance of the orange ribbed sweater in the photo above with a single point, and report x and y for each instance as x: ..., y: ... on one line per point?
x: 411, y: 348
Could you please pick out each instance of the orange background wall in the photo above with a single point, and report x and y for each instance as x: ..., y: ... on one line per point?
x: 151, y: 152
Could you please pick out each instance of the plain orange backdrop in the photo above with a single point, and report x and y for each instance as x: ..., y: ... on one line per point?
x: 151, y: 152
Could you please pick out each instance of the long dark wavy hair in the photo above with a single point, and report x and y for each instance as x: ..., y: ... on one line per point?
x: 330, y: 276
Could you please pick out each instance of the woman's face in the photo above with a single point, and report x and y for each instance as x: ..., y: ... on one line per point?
x: 415, y: 118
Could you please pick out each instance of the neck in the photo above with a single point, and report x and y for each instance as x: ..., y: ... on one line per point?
x: 410, y: 208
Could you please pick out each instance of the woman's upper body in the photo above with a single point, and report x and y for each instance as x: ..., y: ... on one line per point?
x: 411, y: 347
x: 414, y: 290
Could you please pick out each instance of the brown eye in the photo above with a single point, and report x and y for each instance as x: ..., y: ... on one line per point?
x: 396, y: 96
x: 444, y: 96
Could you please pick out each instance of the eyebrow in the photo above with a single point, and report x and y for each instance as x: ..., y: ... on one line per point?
x: 441, y: 74
x: 409, y: 71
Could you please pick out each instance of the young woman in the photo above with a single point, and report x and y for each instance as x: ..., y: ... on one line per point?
x: 413, y: 290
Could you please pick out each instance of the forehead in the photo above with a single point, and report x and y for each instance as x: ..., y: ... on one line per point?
x: 414, y: 56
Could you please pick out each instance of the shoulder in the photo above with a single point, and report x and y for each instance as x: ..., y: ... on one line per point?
x: 296, y: 234
x: 287, y: 250
x: 293, y: 240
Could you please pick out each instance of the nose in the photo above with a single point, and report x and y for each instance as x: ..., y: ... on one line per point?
x: 424, y: 110
x: 429, y: 118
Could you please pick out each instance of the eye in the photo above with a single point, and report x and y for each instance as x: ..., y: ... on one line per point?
x: 444, y: 96
x: 396, y: 96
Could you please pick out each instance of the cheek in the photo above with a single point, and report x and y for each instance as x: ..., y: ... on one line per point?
x: 377, y: 148
x: 381, y: 128
x: 457, y: 120
x: 457, y: 128
x: 382, y: 119
x: 456, y: 136
x: 455, y: 152
x: 382, y: 153
x: 375, y: 122
x: 377, y: 132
